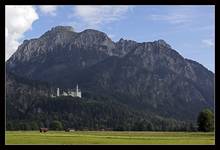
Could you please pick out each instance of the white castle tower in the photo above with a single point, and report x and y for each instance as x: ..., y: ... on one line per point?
x: 58, y: 92
x: 78, y: 92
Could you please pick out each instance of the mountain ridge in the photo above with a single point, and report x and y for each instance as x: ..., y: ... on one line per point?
x: 148, y: 76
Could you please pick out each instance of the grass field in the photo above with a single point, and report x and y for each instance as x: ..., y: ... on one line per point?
x: 108, y: 137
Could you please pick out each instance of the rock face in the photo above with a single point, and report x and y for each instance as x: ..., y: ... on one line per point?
x: 148, y: 76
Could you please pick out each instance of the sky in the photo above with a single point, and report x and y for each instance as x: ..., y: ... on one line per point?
x: 189, y: 29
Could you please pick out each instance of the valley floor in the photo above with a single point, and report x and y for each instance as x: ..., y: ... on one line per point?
x: 109, y: 137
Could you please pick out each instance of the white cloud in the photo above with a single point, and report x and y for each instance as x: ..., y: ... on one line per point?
x: 19, y: 19
x: 172, y: 18
x: 48, y: 9
x: 176, y: 15
x: 208, y: 42
x: 95, y: 16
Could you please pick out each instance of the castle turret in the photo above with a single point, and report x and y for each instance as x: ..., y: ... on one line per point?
x: 58, y: 92
x: 78, y: 92
x: 77, y: 89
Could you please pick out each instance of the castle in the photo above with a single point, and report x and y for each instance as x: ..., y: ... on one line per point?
x: 76, y: 93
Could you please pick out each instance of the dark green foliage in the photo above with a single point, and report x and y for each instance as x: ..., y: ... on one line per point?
x: 206, y: 121
x: 34, y: 125
x: 80, y: 114
x: 24, y: 126
x: 29, y: 109
x: 9, y: 125
x: 56, y: 125
x: 150, y: 127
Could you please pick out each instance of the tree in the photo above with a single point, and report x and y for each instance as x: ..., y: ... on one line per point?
x: 193, y: 127
x: 34, y: 125
x: 139, y: 126
x: 56, y: 125
x: 206, y: 121
x: 23, y: 126
x: 150, y: 126
x: 9, y: 126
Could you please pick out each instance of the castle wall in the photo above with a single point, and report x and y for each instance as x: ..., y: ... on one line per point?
x: 76, y: 93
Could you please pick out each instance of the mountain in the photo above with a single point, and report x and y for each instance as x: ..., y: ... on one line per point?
x: 150, y: 77
x: 29, y: 107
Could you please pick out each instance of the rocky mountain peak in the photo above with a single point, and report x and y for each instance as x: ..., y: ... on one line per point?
x: 162, y: 43
x: 90, y: 38
x: 95, y: 34
x: 89, y: 31
x: 58, y: 32
x: 62, y: 28
x: 121, y: 40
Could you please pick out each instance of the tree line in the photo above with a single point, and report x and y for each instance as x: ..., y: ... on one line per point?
x: 89, y: 114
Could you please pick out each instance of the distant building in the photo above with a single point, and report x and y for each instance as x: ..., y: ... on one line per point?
x: 70, y: 92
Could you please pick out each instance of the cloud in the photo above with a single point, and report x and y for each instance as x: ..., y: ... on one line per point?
x: 176, y: 15
x: 208, y: 42
x: 172, y: 18
x: 48, y: 9
x: 19, y: 19
x: 95, y: 16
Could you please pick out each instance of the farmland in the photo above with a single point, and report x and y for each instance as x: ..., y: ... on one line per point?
x: 108, y: 137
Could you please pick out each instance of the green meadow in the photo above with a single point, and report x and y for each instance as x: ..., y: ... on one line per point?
x: 109, y: 137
